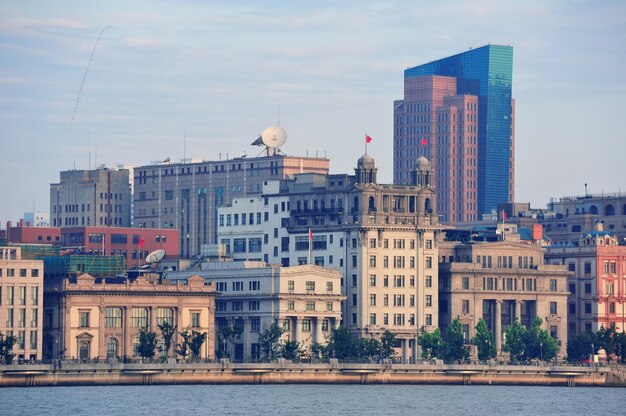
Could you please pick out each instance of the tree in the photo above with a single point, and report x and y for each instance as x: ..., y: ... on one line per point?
x: 432, y: 344
x: 167, y: 331
x: 514, y: 343
x: 605, y: 338
x: 368, y: 348
x: 456, y: 350
x: 538, y: 344
x: 387, y: 341
x: 6, y: 348
x: 182, y: 348
x: 620, y: 345
x: 342, y: 345
x: 484, y: 341
x: 227, y: 336
x: 580, y: 346
x: 196, y: 340
x: 147, y: 343
x: 269, y: 341
x: 292, y: 350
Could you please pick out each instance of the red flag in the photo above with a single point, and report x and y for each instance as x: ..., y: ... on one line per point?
x: 503, y: 216
x: 310, y: 234
x: 368, y: 139
x: 424, y: 141
x: 141, y: 243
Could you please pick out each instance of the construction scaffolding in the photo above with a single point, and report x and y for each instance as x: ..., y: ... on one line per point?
x: 74, y: 265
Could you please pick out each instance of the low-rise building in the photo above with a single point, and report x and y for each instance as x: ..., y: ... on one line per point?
x: 501, y: 282
x: 305, y: 300
x: 21, y: 302
x: 597, y: 283
x: 89, y: 318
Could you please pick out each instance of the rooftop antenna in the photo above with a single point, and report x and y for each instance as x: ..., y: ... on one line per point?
x: 184, y: 147
x: 89, y: 146
x: 278, y: 123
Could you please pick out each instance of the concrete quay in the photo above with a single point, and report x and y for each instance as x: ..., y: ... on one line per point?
x: 318, y: 373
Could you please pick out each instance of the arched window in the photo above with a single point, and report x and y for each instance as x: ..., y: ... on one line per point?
x: 112, y: 348
x: 356, y: 204
x: 83, y: 350
x: 165, y: 315
x: 427, y: 206
x: 371, y: 206
x: 609, y: 210
x: 139, y: 318
x: 593, y: 210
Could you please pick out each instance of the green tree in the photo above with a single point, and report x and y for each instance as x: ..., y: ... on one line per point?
x: 538, y: 344
x: 432, y: 343
x: 368, y: 348
x: 514, y: 343
x: 6, y: 348
x: 605, y: 338
x: 484, y: 341
x: 196, y: 339
x: 147, y: 343
x: 620, y: 345
x: 227, y: 336
x: 456, y: 350
x: 387, y: 341
x: 182, y: 348
x: 342, y: 345
x: 269, y: 341
x: 580, y: 346
x: 167, y: 331
x: 318, y: 351
x: 292, y: 350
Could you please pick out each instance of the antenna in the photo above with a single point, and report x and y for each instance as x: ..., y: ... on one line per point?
x: 278, y: 123
x: 184, y: 147
x: 89, y: 146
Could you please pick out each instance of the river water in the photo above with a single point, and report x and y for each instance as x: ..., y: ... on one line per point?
x: 311, y: 400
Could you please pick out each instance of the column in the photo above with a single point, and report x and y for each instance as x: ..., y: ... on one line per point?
x: 153, y: 325
x: 298, y: 323
x: 102, y: 350
x: 245, y: 339
x: 128, y: 349
x: 405, y: 347
x: 518, y: 310
x: 319, y: 335
x: 498, y: 319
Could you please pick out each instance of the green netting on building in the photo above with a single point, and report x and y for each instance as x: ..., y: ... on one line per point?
x: 97, y: 266
x: 37, y: 251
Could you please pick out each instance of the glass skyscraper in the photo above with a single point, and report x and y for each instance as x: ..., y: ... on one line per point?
x: 458, y: 112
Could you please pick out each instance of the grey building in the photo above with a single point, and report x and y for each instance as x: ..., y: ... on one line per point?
x: 99, y: 197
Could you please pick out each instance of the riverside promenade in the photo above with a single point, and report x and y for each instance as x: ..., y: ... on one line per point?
x: 75, y: 374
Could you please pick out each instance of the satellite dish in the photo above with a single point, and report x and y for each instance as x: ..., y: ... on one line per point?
x: 156, y: 256
x: 274, y: 136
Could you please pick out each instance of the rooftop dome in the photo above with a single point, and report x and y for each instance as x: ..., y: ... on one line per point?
x: 366, y: 162
x: 423, y: 163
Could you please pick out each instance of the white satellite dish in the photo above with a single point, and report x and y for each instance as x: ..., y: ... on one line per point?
x: 274, y: 136
x: 155, y: 257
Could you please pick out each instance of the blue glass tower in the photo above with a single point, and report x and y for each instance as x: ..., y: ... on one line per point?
x: 485, y: 72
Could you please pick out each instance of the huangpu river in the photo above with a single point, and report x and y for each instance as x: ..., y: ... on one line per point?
x: 311, y: 400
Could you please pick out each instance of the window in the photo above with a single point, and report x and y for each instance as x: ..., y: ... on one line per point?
x: 429, y: 244
x: 552, y: 285
x: 571, y: 309
x: 84, y: 319
x: 239, y: 245
x: 587, y: 308
x: 372, y: 280
x: 254, y: 285
x: 429, y: 262
x: 329, y: 286
x: 386, y: 281
x: 291, y: 305
x: 385, y: 319
x: 372, y: 300
x: 255, y: 324
x: 237, y: 286
x: 22, y: 272
x: 429, y: 300
x: 290, y: 285
x: 164, y: 315
x: 385, y: 300
x: 587, y: 288
x: 310, y: 286
x: 139, y: 317
x: 310, y: 305
x: 372, y: 319
x: 553, y: 309
x: 572, y: 288
x: 195, y: 319
x: 254, y: 245
x: 237, y: 305
x: 611, y: 307
x: 220, y: 306
x: 329, y: 306
x: 372, y: 243
x: 465, y: 282
x: 306, y: 325
x: 112, y: 346
x: 429, y: 281
x: 372, y: 261
x: 113, y: 318
x: 465, y: 306
x: 254, y: 305
x: 587, y: 267
x: 354, y: 299
x: 429, y: 319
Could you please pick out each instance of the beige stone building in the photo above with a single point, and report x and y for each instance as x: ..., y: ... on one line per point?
x: 501, y: 282
x: 21, y: 302
x: 89, y: 318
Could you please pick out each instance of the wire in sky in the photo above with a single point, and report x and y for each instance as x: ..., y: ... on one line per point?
x: 82, y: 84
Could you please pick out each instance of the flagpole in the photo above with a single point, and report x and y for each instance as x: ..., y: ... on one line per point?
x: 365, y: 143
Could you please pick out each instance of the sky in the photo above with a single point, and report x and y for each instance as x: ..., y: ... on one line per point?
x: 202, y: 79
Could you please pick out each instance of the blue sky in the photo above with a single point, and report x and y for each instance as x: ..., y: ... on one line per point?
x: 206, y: 77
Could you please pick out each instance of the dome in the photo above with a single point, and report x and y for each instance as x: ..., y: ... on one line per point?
x: 423, y: 163
x: 366, y: 162
x: 274, y: 136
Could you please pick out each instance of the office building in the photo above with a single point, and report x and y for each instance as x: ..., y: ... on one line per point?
x: 186, y: 196
x: 21, y: 302
x: 502, y: 282
x: 597, y: 282
x: 458, y: 112
x: 90, y: 318
x: 99, y: 197
x: 382, y: 239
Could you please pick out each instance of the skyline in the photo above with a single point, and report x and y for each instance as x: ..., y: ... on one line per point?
x: 202, y: 80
